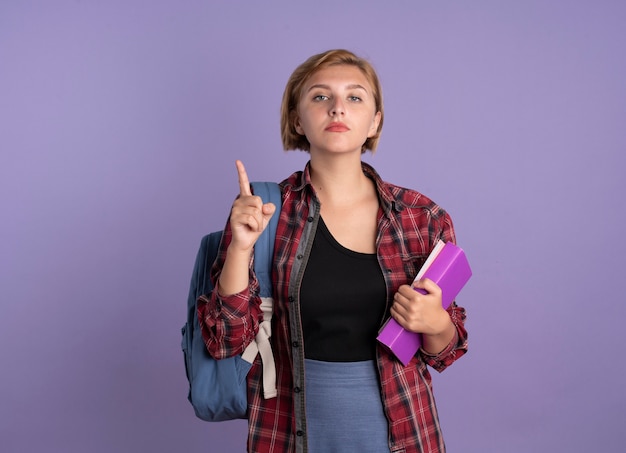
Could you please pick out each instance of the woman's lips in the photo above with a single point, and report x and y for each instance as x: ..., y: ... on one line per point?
x: 337, y: 127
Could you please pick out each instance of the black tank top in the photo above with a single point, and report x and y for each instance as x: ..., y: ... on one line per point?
x: 342, y: 299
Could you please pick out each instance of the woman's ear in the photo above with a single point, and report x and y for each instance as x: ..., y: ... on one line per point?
x: 375, y: 123
x: 296, y: 125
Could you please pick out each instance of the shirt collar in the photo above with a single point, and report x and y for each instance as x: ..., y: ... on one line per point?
x: 387, y: 200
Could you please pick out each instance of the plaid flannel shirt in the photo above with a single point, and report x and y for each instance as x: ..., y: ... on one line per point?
x: 409, y: 225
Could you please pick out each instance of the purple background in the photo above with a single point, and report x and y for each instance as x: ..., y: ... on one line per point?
x: 119, y: 125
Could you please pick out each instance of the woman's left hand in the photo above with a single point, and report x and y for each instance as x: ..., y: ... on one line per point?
x: 421, y: 313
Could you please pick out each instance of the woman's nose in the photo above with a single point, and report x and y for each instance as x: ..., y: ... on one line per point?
x: 337, y: 107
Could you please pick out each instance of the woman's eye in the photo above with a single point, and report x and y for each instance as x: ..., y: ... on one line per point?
x: 355, y: 98
x: 320, y: 97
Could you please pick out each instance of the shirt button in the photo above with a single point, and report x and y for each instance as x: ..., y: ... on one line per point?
x: 291, y: 299
x: 297, y: 389
x: 300, y: 433
x: 309, y: 219
x: 295, y: 344
x: 299, y: 257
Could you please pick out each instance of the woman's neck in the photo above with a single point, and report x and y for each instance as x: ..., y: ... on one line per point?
x: 339, y: 179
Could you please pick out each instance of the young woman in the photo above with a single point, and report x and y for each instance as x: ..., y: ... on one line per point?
x: 347, y: 246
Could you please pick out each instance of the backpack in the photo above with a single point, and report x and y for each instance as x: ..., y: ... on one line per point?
x: 218, y: 388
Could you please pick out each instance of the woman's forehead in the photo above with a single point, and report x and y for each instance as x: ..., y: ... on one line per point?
x: 338, y: 76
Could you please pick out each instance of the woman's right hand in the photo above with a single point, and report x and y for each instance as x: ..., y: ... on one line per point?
x: 248, y: 218
x: 249, y: 215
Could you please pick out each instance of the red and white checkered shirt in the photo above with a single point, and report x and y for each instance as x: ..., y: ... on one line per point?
x: 409, y: 224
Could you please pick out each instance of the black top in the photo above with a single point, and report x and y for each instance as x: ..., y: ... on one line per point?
x: 343, y: 297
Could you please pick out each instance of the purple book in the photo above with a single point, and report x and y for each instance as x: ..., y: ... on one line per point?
x: 448, y: 267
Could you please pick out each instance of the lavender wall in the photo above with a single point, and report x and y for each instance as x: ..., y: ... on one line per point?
x: 119, y: 125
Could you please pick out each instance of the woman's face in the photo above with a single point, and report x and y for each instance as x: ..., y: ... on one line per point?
x: 337, y: 110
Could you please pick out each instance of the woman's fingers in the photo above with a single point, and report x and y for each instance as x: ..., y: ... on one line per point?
x: 244, y: 182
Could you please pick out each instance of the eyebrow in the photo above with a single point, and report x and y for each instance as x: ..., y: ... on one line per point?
x: 352, y: 86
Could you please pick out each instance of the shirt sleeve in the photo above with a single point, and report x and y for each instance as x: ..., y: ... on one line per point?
x: 229, y: 324
x: 457, y: 346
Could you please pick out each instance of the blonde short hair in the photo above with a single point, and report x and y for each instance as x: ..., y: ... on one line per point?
x: 288, y: 110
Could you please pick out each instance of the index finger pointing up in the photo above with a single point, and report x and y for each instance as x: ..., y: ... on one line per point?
x: 244, y: 183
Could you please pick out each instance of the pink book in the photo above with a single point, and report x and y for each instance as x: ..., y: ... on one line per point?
x: 448, y: 267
